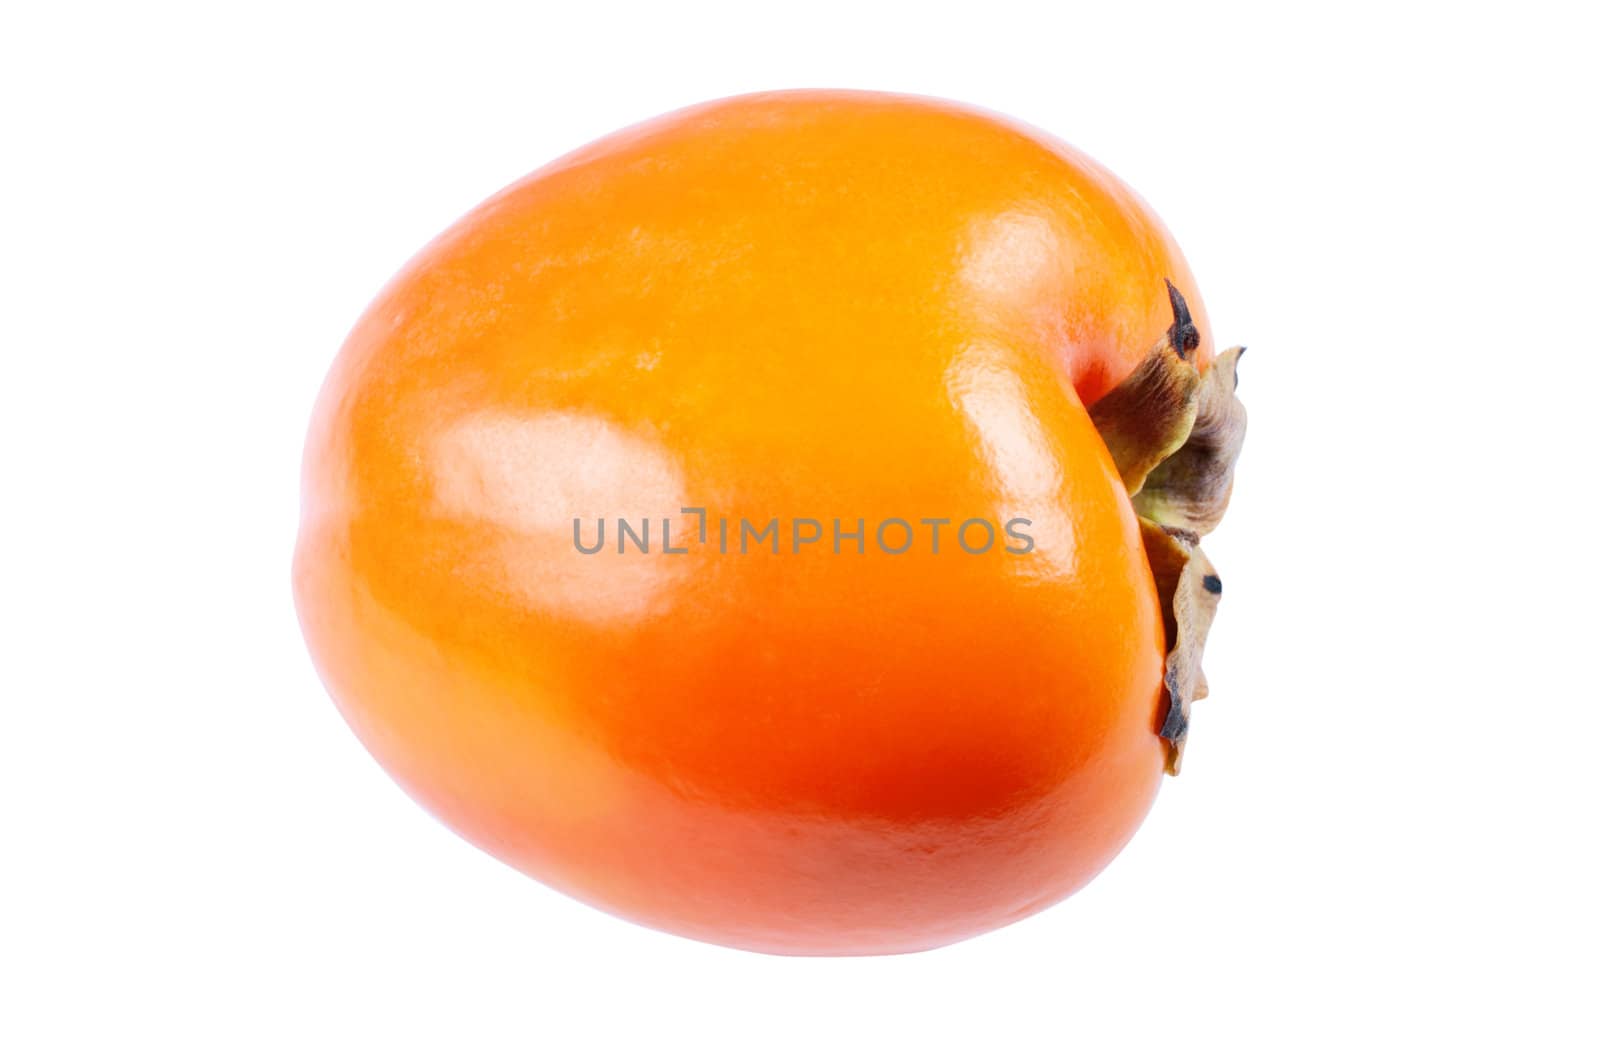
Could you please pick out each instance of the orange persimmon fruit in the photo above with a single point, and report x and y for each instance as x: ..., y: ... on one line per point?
x: 875, y: 320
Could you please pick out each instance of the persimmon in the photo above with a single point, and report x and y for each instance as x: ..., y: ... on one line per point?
x: 813, y: 314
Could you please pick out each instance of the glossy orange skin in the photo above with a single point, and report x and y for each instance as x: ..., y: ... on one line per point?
x: 806, y: 304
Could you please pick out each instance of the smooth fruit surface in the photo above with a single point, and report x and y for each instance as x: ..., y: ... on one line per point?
x: 819, y: 305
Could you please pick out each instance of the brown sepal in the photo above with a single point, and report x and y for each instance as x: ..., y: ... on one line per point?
x: 1190, y: 488
x: 1147, y: 417
x: 1175, y: 436
x: 1189, y: 590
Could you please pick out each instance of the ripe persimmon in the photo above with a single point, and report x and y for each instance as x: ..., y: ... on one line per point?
x: 859, y: 328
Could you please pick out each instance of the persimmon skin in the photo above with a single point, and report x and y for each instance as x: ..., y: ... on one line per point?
x: 803, y: 304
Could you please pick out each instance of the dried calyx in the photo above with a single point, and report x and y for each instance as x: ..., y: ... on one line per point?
x: 1174, y: 433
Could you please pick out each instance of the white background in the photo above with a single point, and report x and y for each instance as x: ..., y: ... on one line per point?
x: 1384, y: 839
